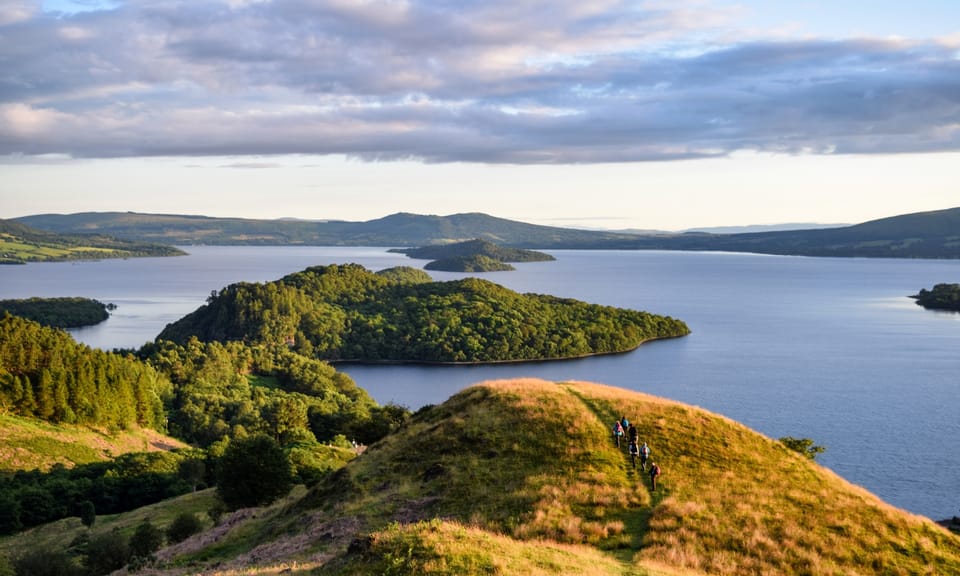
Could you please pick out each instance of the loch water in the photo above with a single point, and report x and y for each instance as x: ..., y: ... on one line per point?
x: 831, y: 349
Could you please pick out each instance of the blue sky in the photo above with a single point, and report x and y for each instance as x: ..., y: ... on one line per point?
x: 595, y: 113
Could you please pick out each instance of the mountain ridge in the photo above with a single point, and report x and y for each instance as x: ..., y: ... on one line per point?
x: 932, y: 234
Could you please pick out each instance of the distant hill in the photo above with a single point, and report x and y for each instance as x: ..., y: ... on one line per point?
x: 400, y: 229
x: 522, y: 477
x: 933, y: 234
x: 20, y: 243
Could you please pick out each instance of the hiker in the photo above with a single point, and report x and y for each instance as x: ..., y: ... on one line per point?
x: 644, y: 454
x: 654, y: 472
x: 634, y: 452
x: 632, y: 432
x: 617, y: 432
x: 624, y: 422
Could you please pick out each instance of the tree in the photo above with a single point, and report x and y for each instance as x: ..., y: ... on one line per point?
x: 804, y: 446
x: 87, y: 512
x: 253, y: 471
x: 106, y: 553
x: 146, y: 540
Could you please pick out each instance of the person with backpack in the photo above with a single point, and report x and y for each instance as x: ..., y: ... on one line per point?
x: 634, y: 452
x: 654, y: 473
x: 644, y: 455
x: 632, y: 432
x: 617, y: 432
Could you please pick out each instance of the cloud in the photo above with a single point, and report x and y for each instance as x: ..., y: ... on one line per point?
x: 445, y: 81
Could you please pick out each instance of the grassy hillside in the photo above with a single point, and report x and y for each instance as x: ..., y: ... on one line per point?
x: 20, y: 244
x: 26, y: 444
x: 522, y: 477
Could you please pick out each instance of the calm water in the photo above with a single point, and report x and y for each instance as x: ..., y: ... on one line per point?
x: 825, y: 348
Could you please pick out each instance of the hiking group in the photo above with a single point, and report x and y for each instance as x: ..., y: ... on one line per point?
x: 624, y: 427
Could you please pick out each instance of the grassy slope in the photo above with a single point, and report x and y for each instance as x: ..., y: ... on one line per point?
x: 26, y: 444
x: 521, y: 477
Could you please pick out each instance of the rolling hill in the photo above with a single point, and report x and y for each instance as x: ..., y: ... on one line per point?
x: 522, y: 477
x: 933, y: 234
x: 20, y: 243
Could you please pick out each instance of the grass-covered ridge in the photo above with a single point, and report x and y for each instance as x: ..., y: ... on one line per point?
x: 522, y: 477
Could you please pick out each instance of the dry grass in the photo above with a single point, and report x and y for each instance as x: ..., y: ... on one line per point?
x: 27, y: 444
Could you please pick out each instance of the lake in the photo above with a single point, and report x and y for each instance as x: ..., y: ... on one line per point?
x: 831, y: 349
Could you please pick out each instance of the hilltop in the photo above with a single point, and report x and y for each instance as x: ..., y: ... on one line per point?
x: 522, y: 477
x: 934, y: 234
x: 20, y: 243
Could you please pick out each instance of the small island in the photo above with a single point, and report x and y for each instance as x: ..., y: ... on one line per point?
x: 472, y: 256
x: 69, y: 312
x: 941, y: 297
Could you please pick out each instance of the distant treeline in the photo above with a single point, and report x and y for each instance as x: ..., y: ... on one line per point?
x: 59, y: 312
x: 345, y: 312
x: 941, y: 297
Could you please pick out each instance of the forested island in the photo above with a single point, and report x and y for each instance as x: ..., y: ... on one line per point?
x: 475, y: 255
x: 65, y: 312
x: 347, y: 313
x: 941, y: 297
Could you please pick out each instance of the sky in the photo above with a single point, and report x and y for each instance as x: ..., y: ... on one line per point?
x: 662, y: 114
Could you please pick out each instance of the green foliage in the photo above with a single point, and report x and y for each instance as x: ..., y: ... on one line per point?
x: 183, y: 526
x: 804, y: 446
x: 473, y: 256
x: 146, y: 540
x: 106, y: 552
x: 229, y: 390
x: 87, y: 512
x: 475, y: 263
x: 348, y: 313
x: 58, y: 312
x: 45, y: 374
x: 46, y: 562
x: 941, y: 297
x: 129, y: 481
x: 405, y: 275
x: 253, y: 471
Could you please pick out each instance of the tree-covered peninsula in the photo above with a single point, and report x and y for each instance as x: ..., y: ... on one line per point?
x: 347, y: 313
x: 941, y: 297
x: 20, y: 244
x: 66, y: 312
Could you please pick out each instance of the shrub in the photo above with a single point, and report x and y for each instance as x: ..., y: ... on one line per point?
x: 184, y: 526
x: 106, y: 553
x: 146, y: 540
x: 44, y: 562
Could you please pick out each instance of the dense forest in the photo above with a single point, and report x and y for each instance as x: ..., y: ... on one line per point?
x: 941, y: 297
x: 347, y: 313
x: 68, y: 312
x: 45, y: 374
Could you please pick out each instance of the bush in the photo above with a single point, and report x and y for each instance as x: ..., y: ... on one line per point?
x: 43, y: 562
x: 87, y: 512
x: 184, y: 526
x: 253, y: 471
x: 804, y: 446
x: 146, y: 540
x: 106, y: 553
